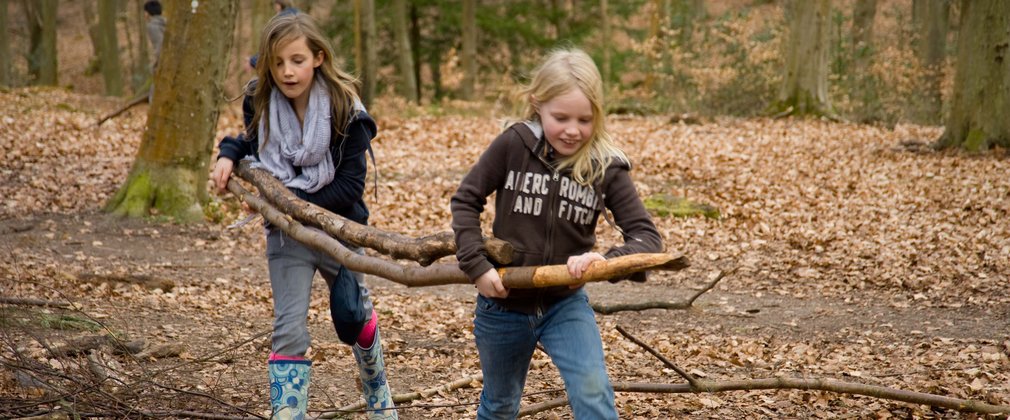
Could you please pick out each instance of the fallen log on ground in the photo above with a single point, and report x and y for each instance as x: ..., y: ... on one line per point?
x: 424, y: 250
x: 439, y: 274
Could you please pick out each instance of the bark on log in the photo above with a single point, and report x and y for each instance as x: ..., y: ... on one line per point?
x: 424, y: 250
x: 439, y: 274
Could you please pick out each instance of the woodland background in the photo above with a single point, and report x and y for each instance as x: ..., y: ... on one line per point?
x: 855, y: 249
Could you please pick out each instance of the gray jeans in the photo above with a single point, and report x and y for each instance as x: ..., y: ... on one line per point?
x: 292, y: 267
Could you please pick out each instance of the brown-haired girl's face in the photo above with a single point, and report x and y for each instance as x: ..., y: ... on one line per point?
x: 293, y: 67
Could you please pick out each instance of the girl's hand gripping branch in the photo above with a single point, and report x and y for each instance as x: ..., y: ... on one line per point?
x: 489, y: 285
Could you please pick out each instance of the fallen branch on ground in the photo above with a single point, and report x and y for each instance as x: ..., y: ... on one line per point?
x: 807, y: 384
x: 439, y: 274
x: 32, y: 302
x: 424, y: 250
x: 641, y: 306
x: 466, y: 382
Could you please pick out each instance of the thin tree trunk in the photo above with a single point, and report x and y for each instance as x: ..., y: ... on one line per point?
x: 469, y: 56
x: 262, y: 11
x: 978, y: 115
x: 605, y: 45
x: 140, y: 68
x: 405, y: 59
x: 415, y: 49
x: 42, y: 64
x: 804, y: 89
x: 6, y: 69
x: 112, y: 73
x: 931, y: 20
x: 169, y: 174
x: 368, y: 53
x: 861, y: 78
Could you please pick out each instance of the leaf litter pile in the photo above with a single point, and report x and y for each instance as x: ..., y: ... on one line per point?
x: 856, y: 253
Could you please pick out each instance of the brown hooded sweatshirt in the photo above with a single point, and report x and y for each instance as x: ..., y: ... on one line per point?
x: 543, y: 213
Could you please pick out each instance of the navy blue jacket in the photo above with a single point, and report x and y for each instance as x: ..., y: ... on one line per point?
x: 345, y: 194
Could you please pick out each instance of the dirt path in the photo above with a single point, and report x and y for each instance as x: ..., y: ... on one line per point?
x: 219, y: 299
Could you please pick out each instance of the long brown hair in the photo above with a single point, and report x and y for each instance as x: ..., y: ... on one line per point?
x: 342, y: 87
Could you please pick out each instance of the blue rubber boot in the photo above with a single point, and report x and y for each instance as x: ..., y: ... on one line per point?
x: 289, y: 388
x: 378, y: 398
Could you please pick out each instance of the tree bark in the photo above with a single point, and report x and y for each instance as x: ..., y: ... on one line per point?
x: 931, y: 21
x: 262, y: 11
x: 42, y: 63
x: 440, y: 274
x: 469, y: 54
x: 405, y: 59
x: 424, y: 250
x: 366, y: 49
x: 804, y: 89
x: 605, y: 45
x: 112, y: 73
x: 978, y: 115
x: 861, y: 79
x: 169, y: 174
x: 6, y: 69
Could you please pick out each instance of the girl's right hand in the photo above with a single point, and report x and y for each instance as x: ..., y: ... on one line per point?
x: 489, y: 285
x: 222, y: 171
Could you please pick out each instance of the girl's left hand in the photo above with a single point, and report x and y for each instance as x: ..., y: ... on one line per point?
x: 579, y: 263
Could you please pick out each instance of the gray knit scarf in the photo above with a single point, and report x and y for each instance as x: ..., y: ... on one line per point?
x: 290, y: 144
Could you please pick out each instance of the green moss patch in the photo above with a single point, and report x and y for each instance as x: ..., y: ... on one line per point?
x: 663, y: 205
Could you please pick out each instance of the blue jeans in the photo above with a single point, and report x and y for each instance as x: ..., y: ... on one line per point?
x: 506, y: 341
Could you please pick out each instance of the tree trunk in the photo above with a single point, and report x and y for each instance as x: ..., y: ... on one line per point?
x: 931, y: 21
x: 112, y: 74
x: 169, y: 174
x: 415, y: 49
x: 42, y: 64
x: 804, y: 89
x: 861, y: 78
x: 142, y: 68
x: 978, y: 115
x: 6, y: 69
x: 656, y: 40
x: 365, y: 48
x: 605, y: 45
x: 262, y: 11
x: 469, y: 56
x: 405, y: 59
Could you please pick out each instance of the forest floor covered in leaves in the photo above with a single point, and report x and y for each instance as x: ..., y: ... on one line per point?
x: 857, y: 254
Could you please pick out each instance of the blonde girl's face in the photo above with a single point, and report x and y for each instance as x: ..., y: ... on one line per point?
x: 567, y: 121
x: 293, y: 68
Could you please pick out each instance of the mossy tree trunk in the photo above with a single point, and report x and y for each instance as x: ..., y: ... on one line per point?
x: 42, y: 64
x: 978, y: 116
x: 169, y: 174
x: 112, y: 73
x: 804, y: 89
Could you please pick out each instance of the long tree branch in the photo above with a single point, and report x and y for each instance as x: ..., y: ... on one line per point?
x: 424, y: 250
x: 466, y: 382
x: 439, y: 274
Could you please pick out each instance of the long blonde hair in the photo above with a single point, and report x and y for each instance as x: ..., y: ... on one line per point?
x: 342, y: 87
x: 563, y: 71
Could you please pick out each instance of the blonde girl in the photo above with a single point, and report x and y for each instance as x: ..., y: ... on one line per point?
x: 553, y: 175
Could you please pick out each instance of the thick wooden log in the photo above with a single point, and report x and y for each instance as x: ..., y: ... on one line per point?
x: 424, y: 250
x: 438, y: 274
